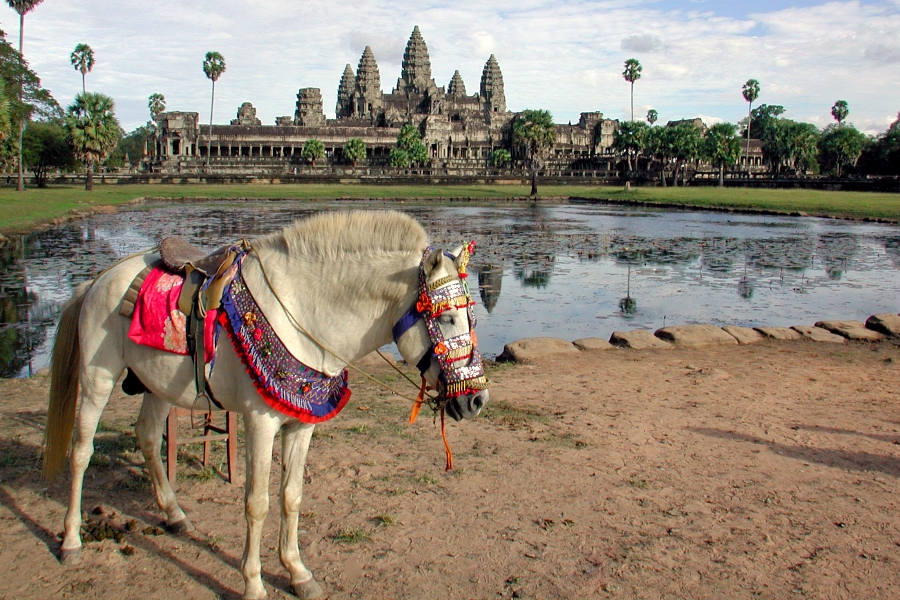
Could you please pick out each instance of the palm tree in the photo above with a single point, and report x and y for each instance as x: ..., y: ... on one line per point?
x: 751, y: 93
x: 839, y: 111
x: 157, y: 104
x: 213, y: 66
x: 652, y: 116
x: 535, y: 130
x: 22, y: 7
x: 631, y: 74
x: 83, y: 60
x: 93, y: 130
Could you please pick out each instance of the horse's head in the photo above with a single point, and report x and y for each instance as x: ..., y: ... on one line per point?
x: 438, y: 334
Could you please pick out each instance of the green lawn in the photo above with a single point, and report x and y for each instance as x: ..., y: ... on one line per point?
x: 22, y: 211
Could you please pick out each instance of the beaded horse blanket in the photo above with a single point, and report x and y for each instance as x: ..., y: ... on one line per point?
x: 283, y: 381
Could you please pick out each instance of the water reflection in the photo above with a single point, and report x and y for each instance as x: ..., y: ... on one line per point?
x: 566, y: 263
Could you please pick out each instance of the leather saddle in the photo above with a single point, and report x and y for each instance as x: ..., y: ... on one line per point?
x: 180, y: 256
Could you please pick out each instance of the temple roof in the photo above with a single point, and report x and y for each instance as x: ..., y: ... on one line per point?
x: 416, y: 67
x: 367, y: 75
x: 456, y: 88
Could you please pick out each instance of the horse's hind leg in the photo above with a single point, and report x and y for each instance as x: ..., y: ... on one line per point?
x: 96, y: 385
x: 149, y: 432
x: 295, y: 438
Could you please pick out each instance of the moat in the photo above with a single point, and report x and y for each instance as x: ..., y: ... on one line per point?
x: 570, y: 270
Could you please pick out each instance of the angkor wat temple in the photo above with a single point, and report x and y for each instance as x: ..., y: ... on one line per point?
x: 461, y: 131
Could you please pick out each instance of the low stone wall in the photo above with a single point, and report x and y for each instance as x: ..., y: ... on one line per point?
x: 876, y: 328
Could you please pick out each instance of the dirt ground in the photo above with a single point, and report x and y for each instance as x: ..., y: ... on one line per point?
x: 767, y: 471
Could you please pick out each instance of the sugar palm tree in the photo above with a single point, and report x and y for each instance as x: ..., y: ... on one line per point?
x: 534, y: 129
x: 213, y: 67
x: 157, y: 104
x: 751, y: 93
x: 839, y: 111
x: 82, y: 58
x: 93, y: 130
x: 652, y: 116
x: 22, y: 7
x: 722, y: 147
x: 631, y: 74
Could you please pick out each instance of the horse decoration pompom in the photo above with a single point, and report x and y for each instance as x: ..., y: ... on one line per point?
x: 292, y: 332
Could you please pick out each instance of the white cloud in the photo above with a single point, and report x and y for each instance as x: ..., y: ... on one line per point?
x: 563, y: 56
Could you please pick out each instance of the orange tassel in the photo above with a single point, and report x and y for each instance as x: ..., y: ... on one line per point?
x: 446, y: 445
x: 420, y: 399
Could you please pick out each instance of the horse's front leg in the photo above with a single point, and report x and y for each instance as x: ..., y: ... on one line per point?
x: 260, y: 431
x: 149, y: 430
x: 295, y: 438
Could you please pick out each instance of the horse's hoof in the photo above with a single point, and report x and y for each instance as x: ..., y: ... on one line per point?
x: 70, y: 556
x: 307, y: 590
x: 180, y: 527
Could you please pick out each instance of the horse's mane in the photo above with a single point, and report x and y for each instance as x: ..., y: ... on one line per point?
x: 333, y: 234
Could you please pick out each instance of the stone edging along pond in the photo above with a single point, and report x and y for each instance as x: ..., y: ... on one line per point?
x: 876, y: 328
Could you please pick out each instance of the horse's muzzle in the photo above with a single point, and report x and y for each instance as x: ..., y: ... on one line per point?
x: 467, y: 405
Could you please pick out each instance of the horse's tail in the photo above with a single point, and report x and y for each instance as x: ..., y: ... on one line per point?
x: 65, y: 369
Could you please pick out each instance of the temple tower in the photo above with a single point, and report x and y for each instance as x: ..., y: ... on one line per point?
x: 367, y: 97
x: 344, y: 106
x: 492, y: 87
x: 456, y: 89
x: 415, y: 76
x: 309, y: 111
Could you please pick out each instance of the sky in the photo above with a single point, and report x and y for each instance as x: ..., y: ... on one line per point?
x: 565, y: 56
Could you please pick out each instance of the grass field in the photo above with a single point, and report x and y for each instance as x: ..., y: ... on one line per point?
x: 22, y: 211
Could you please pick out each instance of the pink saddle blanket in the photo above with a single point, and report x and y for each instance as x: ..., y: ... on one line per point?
x: 159, y: 324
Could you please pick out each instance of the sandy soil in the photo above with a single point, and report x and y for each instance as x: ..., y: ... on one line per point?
x: 767, y: 471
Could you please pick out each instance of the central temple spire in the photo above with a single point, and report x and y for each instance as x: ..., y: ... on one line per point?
x: 416, y: 73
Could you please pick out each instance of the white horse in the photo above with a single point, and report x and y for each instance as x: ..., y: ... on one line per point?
x: 345, y: 278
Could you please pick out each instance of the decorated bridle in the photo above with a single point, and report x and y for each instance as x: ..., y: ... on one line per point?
x: 462, y: 370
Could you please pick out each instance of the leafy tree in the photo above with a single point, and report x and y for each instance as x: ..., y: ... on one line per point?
x: 882, y: 156
x: 840, y: 111
x: 652, y: 116
x: 313, y: 150
x: 22, y: 7
x: 157, y: 105
x: 722, y: 147
x: 534, y: 130
x: 213, y: 67
x: 399, y: 158
x: 93, y: 130
x: 659, y: 145
x: 750, y: 92
x: 687, y: 141
x: 841, y: 146
x: 500, y: 157
x: 792, y: 145
x: 45, y: 148
x: 631, y: 74
x: 82, y: 59
x: 410, y: 141
x: 631, y: 137
x: 131, y: 147
x: 355, y: 150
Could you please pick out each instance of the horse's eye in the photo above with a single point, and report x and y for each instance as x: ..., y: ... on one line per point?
x: 446, y: 320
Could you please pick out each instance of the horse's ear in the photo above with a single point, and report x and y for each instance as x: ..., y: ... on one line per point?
x: 458, y: 251
x: 433, y: 261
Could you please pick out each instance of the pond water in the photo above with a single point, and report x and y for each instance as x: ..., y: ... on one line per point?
x: 569, y: 270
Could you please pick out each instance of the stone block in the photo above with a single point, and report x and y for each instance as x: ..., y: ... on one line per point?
x: 888, y: 324
x: 743, y: 335
x: 818, y: 334
x: 533, y: 349
x: 852, y: 330
x: 592, y: 343
x: 779, y: 333
x: 637, y: 339
x: 695, y: 335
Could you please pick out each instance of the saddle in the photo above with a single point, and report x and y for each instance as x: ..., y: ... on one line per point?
x: 205, y: 278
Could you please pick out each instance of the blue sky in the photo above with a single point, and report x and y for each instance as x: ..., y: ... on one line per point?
x: 564, y: 56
